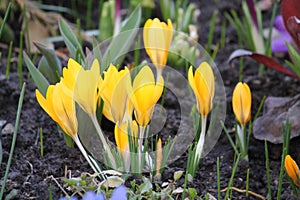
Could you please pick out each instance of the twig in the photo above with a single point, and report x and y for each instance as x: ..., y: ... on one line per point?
x: 57, y: 183
x: 244, y: 191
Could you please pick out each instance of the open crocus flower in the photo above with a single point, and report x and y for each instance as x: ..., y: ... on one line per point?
x: 292, y: 169
x: 281, y: 36
x: 157, y: 40
x: 145, y: 94
x: 114, y: 93
x: 203, y: 85
x: 60, y: 107
x: 86, y: 91
x: 241, y: 103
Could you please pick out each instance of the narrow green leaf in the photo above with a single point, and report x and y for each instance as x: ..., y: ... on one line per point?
x: 71, y: 40
x: 38, y: 78
x: 5, y: 18
x: 52, y: 59
x: 121, y: 43
x: 13, y: 143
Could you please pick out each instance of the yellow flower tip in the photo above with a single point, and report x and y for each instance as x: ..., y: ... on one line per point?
x: 203, y: 86
x: 241, y: 103
x: 158, y: 156
x: 292, y: 169
x: 86, y: 91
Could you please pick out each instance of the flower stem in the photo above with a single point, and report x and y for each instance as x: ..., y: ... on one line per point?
x: 81, y: 148
x: 140, y: 143
x: 103, y: 140
x: 200, y: 143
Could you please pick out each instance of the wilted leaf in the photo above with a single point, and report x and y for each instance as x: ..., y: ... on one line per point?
x: 266, y: 60
x: 112, y: 181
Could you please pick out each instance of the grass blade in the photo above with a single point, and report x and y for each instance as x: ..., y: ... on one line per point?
x: 13, y: 143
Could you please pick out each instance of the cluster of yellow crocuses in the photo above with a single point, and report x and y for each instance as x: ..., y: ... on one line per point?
x: 121, y: 98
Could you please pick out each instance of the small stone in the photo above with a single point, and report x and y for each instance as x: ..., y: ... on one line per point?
x: 275, y: 112
x: 8, y: 129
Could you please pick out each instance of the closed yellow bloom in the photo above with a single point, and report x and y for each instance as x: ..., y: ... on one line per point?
x: 157, y: 40
x: 114, y: 93
x: 121, y: 134
x: 60, y: 107
x: 292, y: 169
x: 86, y: 91
x: 241, y: 103
x: 145, y: 94
x: 203, y: 85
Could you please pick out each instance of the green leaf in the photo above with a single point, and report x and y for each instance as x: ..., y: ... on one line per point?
x: 146, y: 186
x: 51, y: 58
x: 177, y: 175
x: 45, y: 69
x: 295, y: 58
x: 97, y: 53
x: 38, y: 78
x: 121, y: 43
x: 192, y: 193
x: 71, y: 41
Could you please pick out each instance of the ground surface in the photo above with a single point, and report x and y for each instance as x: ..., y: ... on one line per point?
x: 30, y: 173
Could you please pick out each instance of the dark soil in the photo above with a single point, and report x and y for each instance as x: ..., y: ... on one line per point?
x: 30, y: 173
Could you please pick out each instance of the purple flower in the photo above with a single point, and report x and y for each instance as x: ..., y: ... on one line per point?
x: 278, y: 43
x: 89, y: 195
x: 119, y: 193
x: 66, y: 198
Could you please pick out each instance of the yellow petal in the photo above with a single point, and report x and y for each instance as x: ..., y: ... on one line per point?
x: 145, y: 94
x: 241, y: 103
x: 70, y: 73
x: 47, y: 103
x: 121, y: 136
x: 114, y: 93
x: 292, y: 169
x: 65, y: 110
x: 86, y: 90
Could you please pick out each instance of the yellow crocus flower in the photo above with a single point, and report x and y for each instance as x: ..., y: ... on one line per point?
x: 114, y: 93
x: 86, y: 91
x: 203, y: 85
x: 121, y: 135
x: 145, y: 94
x: 241, y: 103
x: 157, y: 40
x: 292, y: 169
x: 60, y: 107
